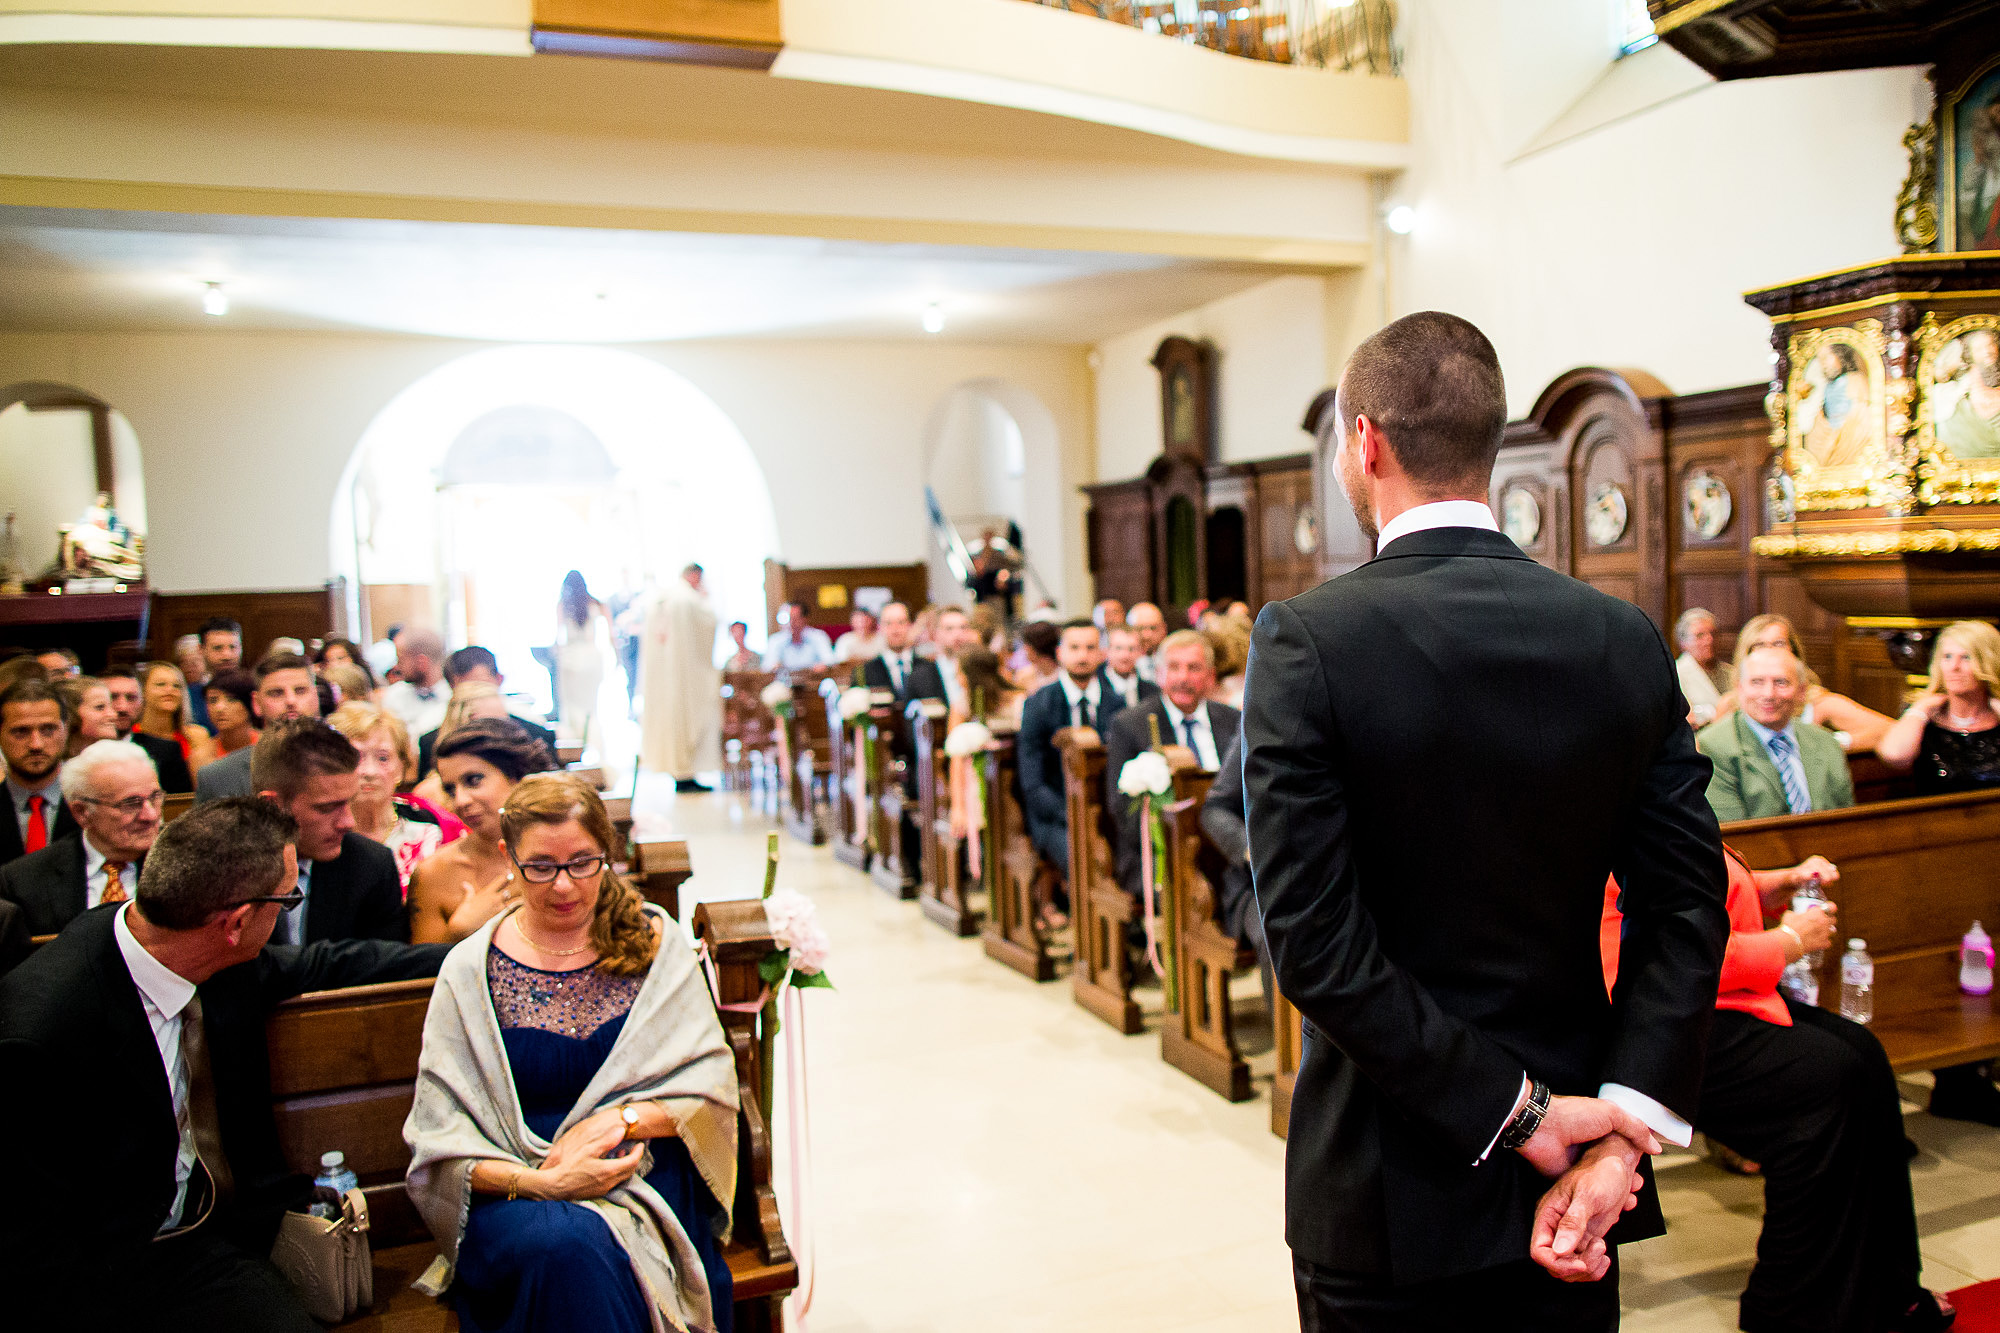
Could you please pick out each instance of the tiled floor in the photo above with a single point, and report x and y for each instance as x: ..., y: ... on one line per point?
x: 986, y: 1155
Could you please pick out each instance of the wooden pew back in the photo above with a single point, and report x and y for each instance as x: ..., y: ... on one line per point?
x: 847, y: 786
x: 659, y: 871
x: 1100, y: 909
x: 749, y: 727
x: 809, y: 756
x: 884, y: 799
x: 1914, y: 875
x: 943, y: 891
x: 1200, y: 1038
x: 1017, y: 879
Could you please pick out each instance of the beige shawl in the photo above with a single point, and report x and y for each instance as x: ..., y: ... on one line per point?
x: 671, y: 1050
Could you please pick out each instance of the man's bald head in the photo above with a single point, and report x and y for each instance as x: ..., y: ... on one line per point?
x: 1151, y: 627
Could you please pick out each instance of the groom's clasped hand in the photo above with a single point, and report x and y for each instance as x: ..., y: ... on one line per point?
x: 1591, y: 1148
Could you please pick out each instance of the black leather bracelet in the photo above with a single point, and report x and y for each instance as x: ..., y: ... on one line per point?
x: 1529, y: 1118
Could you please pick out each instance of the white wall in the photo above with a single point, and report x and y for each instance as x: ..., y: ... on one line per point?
x: 246, y: 437
x: 48, y: 477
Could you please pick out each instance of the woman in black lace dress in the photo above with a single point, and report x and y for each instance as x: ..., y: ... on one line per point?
x: 1949, y: 741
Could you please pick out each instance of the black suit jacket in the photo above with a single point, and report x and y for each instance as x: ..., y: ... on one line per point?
x: 427, y: 744
x: 922, y: 681
x: 15, y: 945
x: 47, y: 885
x: 357, y: 895
x: 1130, y: 736
x: 10, y: 827
x: 1446, y: 752
x: 1223, y: 822
x: 75, y: 1048
x: 168, y: 761
x: 1039, y: 767
x: 1147, y: 689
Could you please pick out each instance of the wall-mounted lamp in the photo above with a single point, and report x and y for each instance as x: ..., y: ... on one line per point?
x: 1402, y: 219
x: 214, y: 300
x: 934, y: 318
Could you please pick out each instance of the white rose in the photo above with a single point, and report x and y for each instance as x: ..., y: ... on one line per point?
x: 855, y: 702
x: 1146, y: 774
x: 967, y: 738
x: 777, y: 692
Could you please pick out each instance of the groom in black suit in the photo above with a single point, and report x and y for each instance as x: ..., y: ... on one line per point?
x: 1445, y: 753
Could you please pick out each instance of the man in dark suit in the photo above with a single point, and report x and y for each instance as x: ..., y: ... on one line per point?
x: 1076, y: 698
x: 1181, y: 710
x: 307, y: 769
x: 1222, y: 821
x: 286, y: 688
x: 1445, y: 753
x: 1121, y: 666
x: 475, y: 663
x: 151, y: 1014
x: 898, y: 668
x: 116, y: 796
x: 34, y: 735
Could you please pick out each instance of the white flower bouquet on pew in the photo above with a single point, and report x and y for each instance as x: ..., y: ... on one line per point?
x: 855, y: 702
x: 777, y: 696
x: 1148, y: 781
x: 801, y: 955
x: 1145, y: 774
x: 967, y: 739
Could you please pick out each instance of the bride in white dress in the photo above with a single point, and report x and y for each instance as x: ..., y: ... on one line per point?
x: 582, y: 629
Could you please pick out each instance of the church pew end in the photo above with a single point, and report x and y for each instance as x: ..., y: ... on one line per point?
x: 1100, y: 909
x: 1018, y: 880
x: 1200, y: 1039
x: 660, y: 870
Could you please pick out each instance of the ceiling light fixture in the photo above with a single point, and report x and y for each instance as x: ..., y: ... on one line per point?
x: 1402, y: 219
x: 214, y: 300
x: 934, y: 318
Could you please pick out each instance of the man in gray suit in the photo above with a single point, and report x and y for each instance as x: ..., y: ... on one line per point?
x: 1766, y: 762
x: 285, y: 689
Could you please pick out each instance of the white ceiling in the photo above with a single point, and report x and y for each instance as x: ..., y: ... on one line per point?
x: 79, y: 271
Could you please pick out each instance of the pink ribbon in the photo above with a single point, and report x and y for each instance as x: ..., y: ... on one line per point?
x: 1146, y: 882
x: 968, y: 815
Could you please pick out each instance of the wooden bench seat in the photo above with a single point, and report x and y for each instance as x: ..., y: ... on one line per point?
x: 1018, y: 880
x: 809, y: 758
x: 944, y: 889
x: 1100, y: 909
x: 343, y: 1074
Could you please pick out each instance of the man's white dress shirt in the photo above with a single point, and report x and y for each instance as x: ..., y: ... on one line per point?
x: 1200, y: 737
x: 420, y: 707
x: 1079, y: 695
x: 1127, y: 686
x: 814, y: 649
x: 898, y: 665
x: 163, y: 994
x: 94, y: 880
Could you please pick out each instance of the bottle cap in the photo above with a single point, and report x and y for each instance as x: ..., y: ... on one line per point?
x: 332, y: 1161
x: 1857, y: 944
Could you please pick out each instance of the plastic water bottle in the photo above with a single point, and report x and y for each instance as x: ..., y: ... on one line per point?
x: 1800, y: 980
x: 1857, y: 983
x: 1975, y: 962
x: 330, y: 1186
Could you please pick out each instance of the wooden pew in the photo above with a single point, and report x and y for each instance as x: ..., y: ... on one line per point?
x: 1914, y: 875
x: 343, y: 1071
x: 809, y: 755
x: 1289, y: 1029
x: 568, y: 752
x: 659, y: 871
x: 175, y: 805
x: 944, y: 891
x: 1100, y: 909
x: 1875, y: 781
x: 1017, y: 879
x: 1200, y: 1038
x: 749, y: 728
x: 846, y: 787
x: 886, y: 802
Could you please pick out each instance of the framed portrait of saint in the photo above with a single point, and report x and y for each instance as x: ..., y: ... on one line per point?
x: 1969, y: 162
x: 1958, y: 417
x: 1836, y: 415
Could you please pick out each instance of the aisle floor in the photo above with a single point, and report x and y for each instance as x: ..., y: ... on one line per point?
x: 986, y: 1155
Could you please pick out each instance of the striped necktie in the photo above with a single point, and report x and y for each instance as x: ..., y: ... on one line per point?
x: 1785, y: 756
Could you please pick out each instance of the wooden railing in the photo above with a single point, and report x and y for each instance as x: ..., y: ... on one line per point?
x: 1357, y: 37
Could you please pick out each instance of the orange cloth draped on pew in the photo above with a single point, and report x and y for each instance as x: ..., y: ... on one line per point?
x: 1752, y: 963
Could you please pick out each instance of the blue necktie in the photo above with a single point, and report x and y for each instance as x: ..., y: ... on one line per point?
x: 1785, y: 755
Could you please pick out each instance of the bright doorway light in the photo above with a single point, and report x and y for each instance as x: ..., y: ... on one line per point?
x: 214, y: 300
x: 934, y: 318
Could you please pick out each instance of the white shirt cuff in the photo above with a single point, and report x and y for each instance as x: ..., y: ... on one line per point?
x: 1525, y: 1088
x: 1670, y: 1127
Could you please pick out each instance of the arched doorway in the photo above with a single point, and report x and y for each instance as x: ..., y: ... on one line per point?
x: 477, y: 488
x: 993, y: 458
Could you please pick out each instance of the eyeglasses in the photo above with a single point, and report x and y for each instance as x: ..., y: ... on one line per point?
x: 285, y: 901
x: 545, y: 872
x: 130, y: 807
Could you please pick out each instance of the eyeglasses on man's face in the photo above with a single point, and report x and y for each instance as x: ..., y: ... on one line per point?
x: 132, y: 806
x: 581, y: 870
x: 285, y: 901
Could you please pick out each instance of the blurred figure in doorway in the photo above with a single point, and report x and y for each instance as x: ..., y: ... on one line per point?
x: 581, y: 627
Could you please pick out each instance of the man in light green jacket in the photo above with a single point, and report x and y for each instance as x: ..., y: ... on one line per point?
x: 1765, y: 762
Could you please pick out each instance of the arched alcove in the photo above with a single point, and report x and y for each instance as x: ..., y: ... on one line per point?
x: 992, y: 455
x: 60, y: 447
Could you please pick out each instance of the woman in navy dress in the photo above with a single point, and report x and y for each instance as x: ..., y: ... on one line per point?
x: 562, y: 1243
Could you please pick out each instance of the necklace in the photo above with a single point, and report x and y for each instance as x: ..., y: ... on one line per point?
x: 544, y: 950
x: 1957, y: 723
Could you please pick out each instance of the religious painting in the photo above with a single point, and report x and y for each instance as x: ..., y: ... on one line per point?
x: 1835, y: 418
x: 1970, y: 176
x: 1708, y: 504
x: 1958, y: 415
x: 1607, y: 515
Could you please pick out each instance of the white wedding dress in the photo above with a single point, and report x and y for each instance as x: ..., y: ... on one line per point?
x: 580, y: 655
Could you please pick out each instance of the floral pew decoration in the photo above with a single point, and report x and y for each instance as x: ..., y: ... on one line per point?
x: 967, y: 746
x: 1149, y: 781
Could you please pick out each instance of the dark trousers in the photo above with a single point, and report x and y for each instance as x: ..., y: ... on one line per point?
x: 1517, y: 1296
x: 197, y: 1283
x: 1816, y: 1105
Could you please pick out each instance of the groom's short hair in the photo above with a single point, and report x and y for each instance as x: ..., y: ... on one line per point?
x: 1431, y: 382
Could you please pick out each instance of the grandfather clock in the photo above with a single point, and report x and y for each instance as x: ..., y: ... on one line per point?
x: 1177, y: 482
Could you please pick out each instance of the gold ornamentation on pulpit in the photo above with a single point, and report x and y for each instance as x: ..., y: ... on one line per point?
x: 1835, y: 415
x: 1958, y: 409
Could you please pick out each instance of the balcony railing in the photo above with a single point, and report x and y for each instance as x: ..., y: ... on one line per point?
x: 1357, y: 37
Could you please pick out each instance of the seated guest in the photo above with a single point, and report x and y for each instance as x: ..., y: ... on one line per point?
x: 1185, y: 715
x: 116, y: 796
x: 351, y: 888
x: 863, y: 639
x: 1861, y: 727
x: 349, y: 683
x: 152, y: 1011
x: 87, y: 700
x: 1231, y: 640
x: 165, y: 718
x: 285, y: 689
x: 346, y: 652
x: 59, y: 662
x: 1223, y: 820
x: 287, y: 645
x: 989, y: 698
x: 462, y: 885
x: 15, y: 943
x: 473, y: 700
x: 220, y: 640
x: 899, y: 669
x: 121, y: 687
x: 988, y: 630
x: 19, y: 667
x: 1703, y: 679
x: 1950, y: 737
x: 1108, y: 614
x: 1077, y: 698
x: 1152, y: 627
x: 420, y: 693
x: 1035, y: 666
x: 742, y: 659
x: 571, y: 1045
x: 1766, y: 762
x: 409, y: 831
x: 194, y: 670
x: 475, y: 666
x: 1121, y: 666
x: 232, y: 707
x: 1810, y: 1097
x: 34, y: 739
x: 800, y: 647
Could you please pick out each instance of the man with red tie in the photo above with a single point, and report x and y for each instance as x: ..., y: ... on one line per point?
x: 34, y: 733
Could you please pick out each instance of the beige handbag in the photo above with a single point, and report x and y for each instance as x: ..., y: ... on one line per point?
x: 327, y: 1261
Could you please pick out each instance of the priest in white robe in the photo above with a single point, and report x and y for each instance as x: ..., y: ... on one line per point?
x: 681, y: 721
